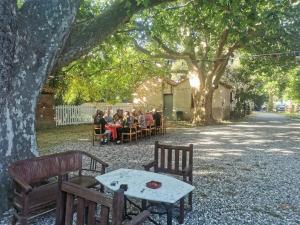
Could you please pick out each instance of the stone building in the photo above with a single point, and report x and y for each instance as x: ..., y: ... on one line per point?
x: 175, y: 98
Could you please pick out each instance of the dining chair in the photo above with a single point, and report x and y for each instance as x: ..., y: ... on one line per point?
x: 175, y: 160
x: 93, y: 207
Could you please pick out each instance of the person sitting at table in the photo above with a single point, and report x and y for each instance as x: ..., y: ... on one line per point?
x: 149, y: 119
x: 108, y: 118
x: 127, y: 122
x: 156, y: 117
x: 142, y: 120
x: 118, y: 117
x: 99, y: 120
x: 128, y: 119
x: 134, y: 115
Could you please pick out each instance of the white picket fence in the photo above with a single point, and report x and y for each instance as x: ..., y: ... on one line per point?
x: 72, y: 114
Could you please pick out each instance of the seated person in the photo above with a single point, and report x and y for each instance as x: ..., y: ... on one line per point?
x: 118, y: 117
x: 128, y: 119
x: 142, y: 120
x: 135, y: 115
x: 127, y: 122
x: 149, y: 119
x: 156, y: 117
x: 99, y: 120
x: 108, y: 118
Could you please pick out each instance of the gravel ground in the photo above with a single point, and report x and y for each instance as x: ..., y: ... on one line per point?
x: 244, y: 173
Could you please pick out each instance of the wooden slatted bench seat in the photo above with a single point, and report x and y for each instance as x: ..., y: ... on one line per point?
x: 36, y: 187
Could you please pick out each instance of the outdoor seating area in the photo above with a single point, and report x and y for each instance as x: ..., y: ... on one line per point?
x: 125, y: 126
x: 76, y: 181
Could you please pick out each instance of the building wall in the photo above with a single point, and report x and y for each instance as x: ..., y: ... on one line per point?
x: 150, y: 95
x: 182, y: 99
x: 221, y: 103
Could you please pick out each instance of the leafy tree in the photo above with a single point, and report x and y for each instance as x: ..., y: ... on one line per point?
x: 206, y: 34
x: 292, y: 90
x: 110, y: 73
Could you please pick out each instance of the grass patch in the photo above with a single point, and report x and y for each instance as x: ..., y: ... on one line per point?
x: 50, y: 137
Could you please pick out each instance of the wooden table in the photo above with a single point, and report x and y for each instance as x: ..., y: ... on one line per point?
x: 171, y: 190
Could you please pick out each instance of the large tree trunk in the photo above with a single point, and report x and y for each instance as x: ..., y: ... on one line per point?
x: 34, y: 37
x: 203, y: 107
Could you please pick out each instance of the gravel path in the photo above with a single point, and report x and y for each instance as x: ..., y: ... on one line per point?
x: 244, y: 173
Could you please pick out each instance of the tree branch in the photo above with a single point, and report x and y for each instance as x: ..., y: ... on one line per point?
x: 85, y: 37
x: 223, y: 66
x: 170, y: 51
x: 159, y: 55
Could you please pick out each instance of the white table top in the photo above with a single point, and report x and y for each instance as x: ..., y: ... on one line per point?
x: 170, y: 191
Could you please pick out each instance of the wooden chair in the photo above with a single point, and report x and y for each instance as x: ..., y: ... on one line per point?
x: 146, y: 132
x: 35, y: 184
x: 176, y: 160
x: 161, y: 129
x: 90, y: 203
x: 138, y: 131
x: 132, y: 133
x: 97, y: 133
x: 152, y: 128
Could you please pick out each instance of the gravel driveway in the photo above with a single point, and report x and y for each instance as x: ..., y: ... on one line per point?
x: 245, y: 173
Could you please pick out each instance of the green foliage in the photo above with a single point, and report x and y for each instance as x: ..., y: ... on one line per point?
x: 292, y: 90
x: 110, y: 73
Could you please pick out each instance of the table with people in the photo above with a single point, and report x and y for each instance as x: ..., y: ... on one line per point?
x: 122, y: 121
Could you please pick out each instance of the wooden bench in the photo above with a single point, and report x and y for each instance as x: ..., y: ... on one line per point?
x: 35, y: 183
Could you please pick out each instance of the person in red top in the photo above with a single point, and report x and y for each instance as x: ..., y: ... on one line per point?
x: 149, y: 119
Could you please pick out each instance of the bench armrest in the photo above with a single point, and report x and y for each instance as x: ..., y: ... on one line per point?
x: 139, y: 219
x: 148, y: 166
x: 26, y: 187
x: 95, y: 158
x: 187, y: 170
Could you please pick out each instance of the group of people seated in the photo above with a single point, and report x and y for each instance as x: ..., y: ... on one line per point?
x: 124, y: 121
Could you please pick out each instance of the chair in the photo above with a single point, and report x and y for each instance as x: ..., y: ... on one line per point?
x: 161, y: 129
x: 97, y: 133
x: 176, y: 160
x: 152, y: 128
x: 132, y: 133
x: 93, y: 207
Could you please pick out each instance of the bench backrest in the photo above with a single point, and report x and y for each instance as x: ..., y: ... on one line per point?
x: 39, y: 168
x: 91, y: 201
x: 172, y: 159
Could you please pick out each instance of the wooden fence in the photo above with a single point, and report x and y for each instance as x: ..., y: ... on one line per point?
x: 71, y: 114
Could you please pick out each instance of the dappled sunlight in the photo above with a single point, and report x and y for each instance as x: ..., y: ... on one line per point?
x: 277, y: 150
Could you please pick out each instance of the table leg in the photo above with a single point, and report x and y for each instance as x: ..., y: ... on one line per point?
x: 144, y: 204
x: 181, y: 211
x: 169, y: 208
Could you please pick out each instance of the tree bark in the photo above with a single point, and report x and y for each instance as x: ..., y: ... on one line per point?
x: 34, y: 37
x: 203, y: 107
